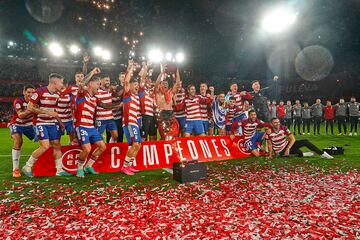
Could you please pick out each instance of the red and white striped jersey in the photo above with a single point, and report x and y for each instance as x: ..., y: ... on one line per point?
x: 204, y: 107
x: 20, y: 104
x: 85, y: 106
x: 232, y: 112
x: 104, y: 96
x: 132, y: 111
x: 249, y: 127
x: 64, y: 107
x: 117, y: 112
x: 46, y: 101
x: 66, y: 104
x: 192, y: 108
x: 239, y: 98
x: 279, y: 139
x: 147, y: 100
x: 72, y: 89
x: 179, y: 106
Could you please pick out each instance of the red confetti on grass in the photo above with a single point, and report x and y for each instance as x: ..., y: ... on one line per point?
x: 236, y: 203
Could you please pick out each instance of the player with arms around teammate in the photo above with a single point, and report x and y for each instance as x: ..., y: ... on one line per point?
x: 44, y: 103
x: 20, y: 124
x: 87, y: 134
x: 194, y: 121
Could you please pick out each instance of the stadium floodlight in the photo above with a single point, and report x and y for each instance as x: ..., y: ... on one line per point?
x: 56, y: 49
x: 74, y: 49
x: 155, y: 56
x: 106, y: 55
x: 168, y: 56
x: 278, y: 20
x: 98, y: 51
x: 180, y: 57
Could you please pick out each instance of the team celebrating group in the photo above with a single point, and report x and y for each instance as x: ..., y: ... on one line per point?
x: 139, y: 108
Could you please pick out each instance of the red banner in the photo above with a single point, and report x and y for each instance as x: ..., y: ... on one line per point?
x: 157, y: 154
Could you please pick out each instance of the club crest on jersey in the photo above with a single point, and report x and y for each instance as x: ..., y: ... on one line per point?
x: 69, y: 160
x: 242, y: 147
x: 34, y: 96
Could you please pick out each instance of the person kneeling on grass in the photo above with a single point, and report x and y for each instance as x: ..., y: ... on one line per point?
x: 254, y: 144
x: 283, y: 142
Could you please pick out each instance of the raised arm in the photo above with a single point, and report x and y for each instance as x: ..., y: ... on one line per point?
x: 158, y: 80
x: 143, y: 74
x: 86, y: 59
x: 212, y: 92
x: 90, y: 75
x: 177, y: 82
x: 128, y: 75
x: 246, y: 95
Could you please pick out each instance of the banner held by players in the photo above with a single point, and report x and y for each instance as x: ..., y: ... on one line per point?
x: 152, y: 155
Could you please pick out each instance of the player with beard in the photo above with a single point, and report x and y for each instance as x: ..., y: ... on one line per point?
x: 21, y: 124
x: 149, y: 123
x: 204, y: 107
x: 168, y: 125
x: 117, y: 91
x: 254, y: 144
x: 249, y: 125
x: 131, y: 119
x: 283, y: 142
x: 104, y: 117
x: 194, y: 120
x: 44, y: 103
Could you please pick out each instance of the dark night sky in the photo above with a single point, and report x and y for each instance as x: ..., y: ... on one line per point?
x: 220, y: 38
